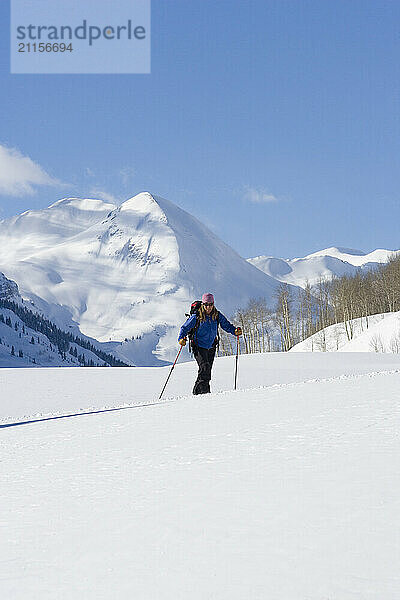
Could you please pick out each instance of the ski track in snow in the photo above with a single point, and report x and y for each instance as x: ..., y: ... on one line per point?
x: 275, y: 387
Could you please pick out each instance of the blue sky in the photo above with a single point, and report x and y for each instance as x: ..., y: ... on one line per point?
x: 276, y: 123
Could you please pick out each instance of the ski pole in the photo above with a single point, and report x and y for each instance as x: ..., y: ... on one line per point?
x: 237, y: 356
x: 170, y: 373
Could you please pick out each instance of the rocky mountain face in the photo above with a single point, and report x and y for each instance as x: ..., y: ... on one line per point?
x: 8, y: 288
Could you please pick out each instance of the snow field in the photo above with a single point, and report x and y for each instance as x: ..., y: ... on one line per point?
x: 286, y: 492
x: 39, y: 393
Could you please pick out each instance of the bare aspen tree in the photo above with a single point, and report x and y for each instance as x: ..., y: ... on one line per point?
x: 323, y: 306
x: 321, y: 341
x: 306, y: 312
x: 283, y: 315
x: 376, y: 343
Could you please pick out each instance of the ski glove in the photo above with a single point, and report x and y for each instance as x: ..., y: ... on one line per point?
x: 238, y: 331
x: 182, y: 341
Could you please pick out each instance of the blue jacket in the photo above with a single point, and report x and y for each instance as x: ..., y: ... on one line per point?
x: 207, y: 330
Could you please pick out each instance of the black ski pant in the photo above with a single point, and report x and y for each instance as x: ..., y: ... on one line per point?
x: 205, y: 359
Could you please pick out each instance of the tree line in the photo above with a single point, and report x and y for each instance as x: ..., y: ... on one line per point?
x: 59, y: 338
x: 296, y: 316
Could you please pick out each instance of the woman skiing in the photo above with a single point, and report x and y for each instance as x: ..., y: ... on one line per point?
x: 204, y: 328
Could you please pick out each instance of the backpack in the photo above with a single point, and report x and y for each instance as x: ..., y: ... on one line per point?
x: 194, y: 308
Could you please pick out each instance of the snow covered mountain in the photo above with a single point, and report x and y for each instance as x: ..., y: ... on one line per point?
x: 126, y: 273
x: 322, y: 264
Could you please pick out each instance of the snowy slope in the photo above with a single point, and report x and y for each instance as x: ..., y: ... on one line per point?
x: 35, y: 230
x: 284, y: 492
x: 29, y: 347
x: 21, y: 346
x: 323, y: 264
x: 378, y: 333
x: 29, y: 338
x: 125, y: 273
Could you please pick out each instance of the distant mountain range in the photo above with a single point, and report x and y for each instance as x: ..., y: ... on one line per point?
x: 125, y: 275
x: 323, y: 264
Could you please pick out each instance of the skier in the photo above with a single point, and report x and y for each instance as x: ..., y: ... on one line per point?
x: 202, y: 327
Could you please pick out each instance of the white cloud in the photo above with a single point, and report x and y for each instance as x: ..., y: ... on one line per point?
x: 20, y: 175
x: 98, y: 193
x: 89, y: 172
x: 258, y: 196
x: 126, y: 174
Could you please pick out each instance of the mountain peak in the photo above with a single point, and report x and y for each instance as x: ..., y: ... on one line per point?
x: 337, y: 252
x: 144, y: 204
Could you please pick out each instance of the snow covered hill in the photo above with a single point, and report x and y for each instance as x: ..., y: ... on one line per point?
x: 284, y: 489
x: 322, y: 264
x: 127, y: 273
x: 28, y: 338
x: 377, y: 333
